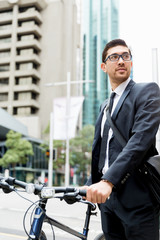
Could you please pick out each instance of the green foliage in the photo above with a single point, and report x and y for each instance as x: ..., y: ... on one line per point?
x: 18, y: 149
x: 80, y: 150
x: 60, y: 146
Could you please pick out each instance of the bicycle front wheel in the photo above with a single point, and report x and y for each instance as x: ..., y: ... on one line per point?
x: 100, y: 237
x: 41, y: 237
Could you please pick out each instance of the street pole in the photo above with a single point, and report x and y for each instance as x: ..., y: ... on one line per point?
x: 67, y: 175
x: 50, y: 163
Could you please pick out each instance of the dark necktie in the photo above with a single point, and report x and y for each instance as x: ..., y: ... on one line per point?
x: 102, y: 156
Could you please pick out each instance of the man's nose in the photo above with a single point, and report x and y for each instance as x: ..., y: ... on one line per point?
x: 120, y: 61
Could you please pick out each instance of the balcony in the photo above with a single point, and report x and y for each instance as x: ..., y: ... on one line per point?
x: 4, y: 19
x: 5, y: 60
x: 6, y: 32
x: 5, y: 46
x: 29, y: 30
x: 25, y: 73
x: 4, y: 88
x: 26, y: 103
x: 28, y: 58
x: 4, y: 74
x: 30, y: 15
x: 26, y: 88
x: 4, y: 104
x: 29, y: 44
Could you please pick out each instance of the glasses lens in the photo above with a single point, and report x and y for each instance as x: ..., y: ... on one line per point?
x: 114, y: 57
x: 126, y: 57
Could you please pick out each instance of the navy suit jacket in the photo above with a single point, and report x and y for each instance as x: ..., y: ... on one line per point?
x: 137, y: 116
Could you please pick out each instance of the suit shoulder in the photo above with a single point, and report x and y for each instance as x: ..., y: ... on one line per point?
x: 146, y: 86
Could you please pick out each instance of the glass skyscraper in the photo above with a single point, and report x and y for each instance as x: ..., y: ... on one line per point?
x: 100, y: 25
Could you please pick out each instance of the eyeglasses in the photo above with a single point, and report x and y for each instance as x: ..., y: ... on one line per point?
x: 115, y: 57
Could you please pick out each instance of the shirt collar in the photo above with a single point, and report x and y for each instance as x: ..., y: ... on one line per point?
x: 120, y: 89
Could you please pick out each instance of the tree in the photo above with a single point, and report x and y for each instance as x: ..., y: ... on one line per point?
x: 60, y: 146
x: 80, y: 151
x: 18, y: 150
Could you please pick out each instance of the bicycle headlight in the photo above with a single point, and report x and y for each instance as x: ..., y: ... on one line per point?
x: 47, y: 192
x: 30, y: 188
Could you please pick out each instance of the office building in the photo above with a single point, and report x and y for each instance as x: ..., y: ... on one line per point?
x: 38, y: 45
x: 100, y: 25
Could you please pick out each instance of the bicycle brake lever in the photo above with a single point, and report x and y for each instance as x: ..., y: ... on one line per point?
x: 93, y: 206
x: 6, y: 187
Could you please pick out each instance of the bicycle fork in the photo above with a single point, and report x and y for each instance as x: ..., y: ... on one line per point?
x: 39, y: 216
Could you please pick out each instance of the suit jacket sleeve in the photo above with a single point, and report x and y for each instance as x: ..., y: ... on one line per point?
x: 146, y: 121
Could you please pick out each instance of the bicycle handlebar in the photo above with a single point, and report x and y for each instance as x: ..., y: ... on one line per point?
x: 8, y: 183
x: 71, y: 194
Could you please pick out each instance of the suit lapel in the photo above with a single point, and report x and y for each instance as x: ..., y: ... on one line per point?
x: 99, y: 120
x: 122, y: 98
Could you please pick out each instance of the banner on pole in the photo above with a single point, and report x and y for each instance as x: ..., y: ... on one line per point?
x: 60, y: 118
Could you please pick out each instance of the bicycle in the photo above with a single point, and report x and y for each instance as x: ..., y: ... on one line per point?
x: 69, y: 194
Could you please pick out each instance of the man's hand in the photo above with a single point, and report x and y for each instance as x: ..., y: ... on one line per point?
x: 99, y: 192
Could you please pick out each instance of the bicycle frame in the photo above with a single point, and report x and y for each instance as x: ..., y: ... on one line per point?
x: 41, y: 217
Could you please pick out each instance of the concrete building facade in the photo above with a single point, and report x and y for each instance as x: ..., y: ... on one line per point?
x: 38, y: 45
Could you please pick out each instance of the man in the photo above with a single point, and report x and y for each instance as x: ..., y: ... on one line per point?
x: 128, y: 210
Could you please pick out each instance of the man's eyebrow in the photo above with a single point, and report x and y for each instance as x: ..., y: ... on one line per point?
x: 118, y: 53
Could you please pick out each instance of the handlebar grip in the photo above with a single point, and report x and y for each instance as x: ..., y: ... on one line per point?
x: 82, y: 192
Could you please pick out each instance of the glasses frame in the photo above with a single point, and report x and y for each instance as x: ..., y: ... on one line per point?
x: 119, y: 55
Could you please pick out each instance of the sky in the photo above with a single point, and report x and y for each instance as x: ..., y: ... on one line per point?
x: 140, y: 28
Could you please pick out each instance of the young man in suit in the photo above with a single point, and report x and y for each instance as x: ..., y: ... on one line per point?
x: 128, y: 210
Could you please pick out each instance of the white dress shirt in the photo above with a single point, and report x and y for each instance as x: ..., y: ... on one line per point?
x: 118, y: 93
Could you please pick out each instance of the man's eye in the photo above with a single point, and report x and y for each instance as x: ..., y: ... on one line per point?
x: 114, y: 57
x: 126, y: 56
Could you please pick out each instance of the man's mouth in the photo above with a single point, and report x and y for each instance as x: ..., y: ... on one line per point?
x: 121, y: 69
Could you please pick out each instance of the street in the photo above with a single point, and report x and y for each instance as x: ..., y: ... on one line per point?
x: 13, y: 208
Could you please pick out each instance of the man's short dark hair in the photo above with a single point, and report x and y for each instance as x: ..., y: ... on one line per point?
x: 113, y: 43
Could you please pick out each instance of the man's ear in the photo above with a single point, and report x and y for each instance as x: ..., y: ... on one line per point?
x: 103, y: 67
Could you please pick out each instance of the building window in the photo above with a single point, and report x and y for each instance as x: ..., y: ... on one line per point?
x: 3, y: 97
x: 28, y: 51
x: 14, y: 111
x: 27, y: 24
x: 15, y: 96
x: 5, y: 26
x: 4, y: 54
x: 34, y: 81
x: 24, y: 111
x: 27, y: 37
x: 27, y: 9
x: 6, y: 13
x: 4, y: 81
x: 25, y: 66
x: 34, y: 110
x: 24, y: 96
x: 25, y: 81
x: 34, y: 95
x: 4, y: 68
x: 5, y: 40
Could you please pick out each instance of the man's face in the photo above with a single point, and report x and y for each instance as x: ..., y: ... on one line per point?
x: 118, y: 71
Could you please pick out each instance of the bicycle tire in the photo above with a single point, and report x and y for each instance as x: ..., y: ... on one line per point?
x: 100, y: 237
x: 42, y: 236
